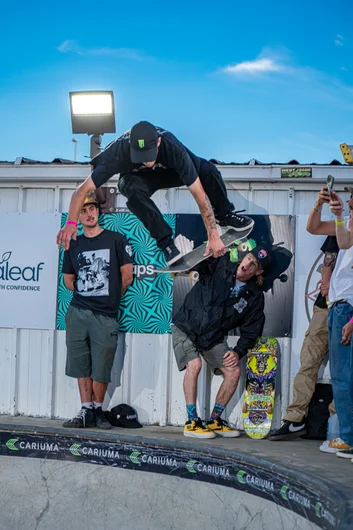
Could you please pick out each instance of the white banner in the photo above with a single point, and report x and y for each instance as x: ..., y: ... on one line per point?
x: 28, y: 270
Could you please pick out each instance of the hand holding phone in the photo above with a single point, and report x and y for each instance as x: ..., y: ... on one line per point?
x: 329, y: 183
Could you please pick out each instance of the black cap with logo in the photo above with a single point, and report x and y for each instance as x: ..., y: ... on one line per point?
x: 123, y: 416
x: 262, y: 255
x: 143, y: 142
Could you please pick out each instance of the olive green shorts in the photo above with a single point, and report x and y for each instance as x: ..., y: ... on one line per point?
x: 185, y: 351
x: 91, y: 341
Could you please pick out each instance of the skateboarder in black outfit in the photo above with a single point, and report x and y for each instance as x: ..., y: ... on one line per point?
x: 149, y: 158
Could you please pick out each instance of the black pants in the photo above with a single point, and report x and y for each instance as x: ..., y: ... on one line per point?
x: 139, y: 186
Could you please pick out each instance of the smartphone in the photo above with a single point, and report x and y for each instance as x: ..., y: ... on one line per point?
x: 329, y: 183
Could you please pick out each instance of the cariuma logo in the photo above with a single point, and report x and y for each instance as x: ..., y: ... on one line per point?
x: 30, y: 273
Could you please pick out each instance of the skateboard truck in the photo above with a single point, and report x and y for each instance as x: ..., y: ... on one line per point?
x: 192, y: 275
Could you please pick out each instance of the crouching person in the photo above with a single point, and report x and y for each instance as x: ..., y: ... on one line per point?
x: 228, y: 295
x: 98, y: 269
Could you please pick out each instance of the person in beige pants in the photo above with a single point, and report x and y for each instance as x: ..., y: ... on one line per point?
x: 313, y: 351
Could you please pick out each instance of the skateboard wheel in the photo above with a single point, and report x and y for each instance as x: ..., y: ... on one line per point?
x: 245, y: 408
x: 172, y: 275
x: 194, y: 275
x: 269, y: 409
x: 243, y: 247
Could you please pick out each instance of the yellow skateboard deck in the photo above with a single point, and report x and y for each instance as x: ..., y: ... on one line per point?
x: 259, y: 402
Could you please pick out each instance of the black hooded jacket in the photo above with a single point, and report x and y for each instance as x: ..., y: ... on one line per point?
x: 210, y: 311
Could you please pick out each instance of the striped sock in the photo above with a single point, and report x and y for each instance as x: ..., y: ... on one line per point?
x: 191, y: 411
x: 217, y: 411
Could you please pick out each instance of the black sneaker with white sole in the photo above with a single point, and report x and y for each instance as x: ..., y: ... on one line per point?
x: 172, y: 254
x: 101, y: 420
x: 236, y: 222
x: 86, y: 418
x: 289, y: 430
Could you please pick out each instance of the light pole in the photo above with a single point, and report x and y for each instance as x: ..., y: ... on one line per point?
x: 75, y: 141
x: 92, y: 113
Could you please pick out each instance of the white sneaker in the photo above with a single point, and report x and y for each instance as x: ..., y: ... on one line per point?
x: 324, y: 445
x: 334, y: 445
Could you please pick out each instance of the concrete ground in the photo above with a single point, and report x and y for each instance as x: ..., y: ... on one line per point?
x: 47, y: 495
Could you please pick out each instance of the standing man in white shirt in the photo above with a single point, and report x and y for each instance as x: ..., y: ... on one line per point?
x: 340, y: 327
x: 340, y: 317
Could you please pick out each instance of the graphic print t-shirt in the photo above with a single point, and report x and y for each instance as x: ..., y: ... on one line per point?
x: 172, y: 154
x: 96, y: 262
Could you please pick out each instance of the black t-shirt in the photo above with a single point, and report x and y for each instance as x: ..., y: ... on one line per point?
x: 329, y: 245
x: 172, y: 154
x: 96, y: 262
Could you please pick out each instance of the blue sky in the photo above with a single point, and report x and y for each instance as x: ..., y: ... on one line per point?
x: 265, y: 80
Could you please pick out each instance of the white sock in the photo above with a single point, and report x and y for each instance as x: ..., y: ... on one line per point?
x: 87, y: 405
x: 96, y: 404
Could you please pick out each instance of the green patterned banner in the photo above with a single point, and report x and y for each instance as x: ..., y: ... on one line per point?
x: 146, y: 307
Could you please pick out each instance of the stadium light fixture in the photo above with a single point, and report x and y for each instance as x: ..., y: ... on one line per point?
x: 92, y: 113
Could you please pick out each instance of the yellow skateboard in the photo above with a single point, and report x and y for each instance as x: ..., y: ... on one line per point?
x: 260, y: 387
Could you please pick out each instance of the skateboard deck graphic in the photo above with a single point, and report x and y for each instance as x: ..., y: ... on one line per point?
x: 196, y: 256
x: 259, y: 399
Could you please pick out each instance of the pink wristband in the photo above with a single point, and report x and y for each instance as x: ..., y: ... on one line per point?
x: 351, y: 320
x: 72, y: 223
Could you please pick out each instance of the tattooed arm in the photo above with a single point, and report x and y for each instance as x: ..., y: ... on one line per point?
x: 215, y: 244
x: 328, y: 266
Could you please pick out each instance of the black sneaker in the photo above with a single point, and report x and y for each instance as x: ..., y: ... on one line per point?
x: 236, y: 222
x: 171, y: 254
x: 85, y: 418
x: 101, y: 420
x: 289, y: 430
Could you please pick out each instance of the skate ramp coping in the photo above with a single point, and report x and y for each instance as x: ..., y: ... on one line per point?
x: 136, y: 481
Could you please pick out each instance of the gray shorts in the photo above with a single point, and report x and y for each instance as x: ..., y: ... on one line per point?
x: 185, y: 351
x: 91, y: 341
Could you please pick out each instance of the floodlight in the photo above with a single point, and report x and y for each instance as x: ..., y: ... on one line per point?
x: 92, y: 112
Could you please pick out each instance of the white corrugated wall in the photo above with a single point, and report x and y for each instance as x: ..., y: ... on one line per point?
x: 32, y: 378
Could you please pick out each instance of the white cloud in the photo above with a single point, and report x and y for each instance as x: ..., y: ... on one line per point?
x: 344, y: 69
x: 279, y: 66
x: 71, y: 46
x: 258, y: 66
x: 339, y: 40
